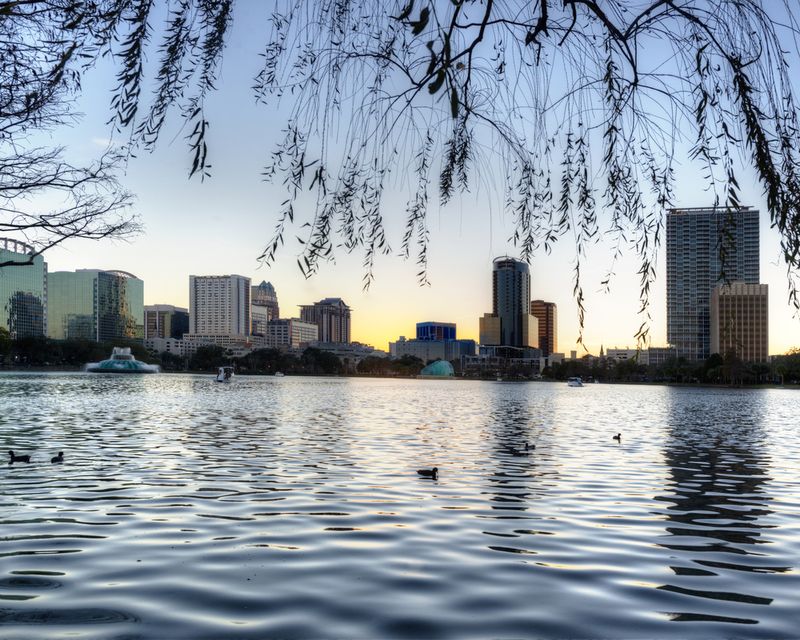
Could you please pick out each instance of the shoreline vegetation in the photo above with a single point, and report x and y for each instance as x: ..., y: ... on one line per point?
x: 702, y: 385
x: 42, y: 354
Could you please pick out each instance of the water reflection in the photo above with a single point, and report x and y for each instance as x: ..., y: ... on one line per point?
x: 292, y: 508
x: 516, y: 434
x: 717, y: 505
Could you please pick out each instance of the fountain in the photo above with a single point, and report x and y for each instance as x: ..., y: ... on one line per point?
x: 121, y: 361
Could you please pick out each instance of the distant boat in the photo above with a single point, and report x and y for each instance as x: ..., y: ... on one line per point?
x: 278, y: 374
x: 224, y: 374
x: 574, y: 382
x: 121, y: 361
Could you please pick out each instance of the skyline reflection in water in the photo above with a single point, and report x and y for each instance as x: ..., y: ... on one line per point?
x: 292, y: 508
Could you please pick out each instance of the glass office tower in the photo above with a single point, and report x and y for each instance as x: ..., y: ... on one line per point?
x: 23, y: 291
x: 95, y: 305
x: 511, y: 302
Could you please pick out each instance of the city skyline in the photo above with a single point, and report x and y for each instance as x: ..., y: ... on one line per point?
x: 459, y: 319
x: 400, y: 318
x: 403, y: 327
x: 222, y: 224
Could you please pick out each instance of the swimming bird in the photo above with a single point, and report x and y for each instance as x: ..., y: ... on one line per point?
x: 429, y: 473
x: 12, y: 458
x: 521, y: 452
x: 618, y: 437
x: 57, y: 459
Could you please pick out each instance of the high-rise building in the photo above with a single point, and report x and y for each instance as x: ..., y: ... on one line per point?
x: 332, y: 317
x: 436, y: 331
x: 23, y: 291
x: 92, y: 304
x: 510, y: 323
x: 705, y: 247
x: 739, y: 320
x: 165, y: 321
x: 219, y: 305
x: 547, y: 317
x: 263, y: 307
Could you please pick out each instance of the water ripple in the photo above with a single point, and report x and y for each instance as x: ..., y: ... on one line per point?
x: 292, y: 508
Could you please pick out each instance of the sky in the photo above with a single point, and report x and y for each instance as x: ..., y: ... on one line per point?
x: 221, y: 225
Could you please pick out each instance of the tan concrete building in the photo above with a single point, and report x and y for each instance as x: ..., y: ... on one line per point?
x: 165, y: 321
x: 332, y: 317
x: 291, y: 332
x: 219, y: 305
x: 530, y: 331
x: 740, y: 320
x: 547, y: 316
x: 489, y: 329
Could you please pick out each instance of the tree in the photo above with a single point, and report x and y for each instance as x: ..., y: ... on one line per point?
x: 172, y: 361
x: 407, y: 365
x: 733, y: 368
x: 43, y: 45
x: 374, y: 365
x: 787, y: 366
x: 317, y: 361
x: 207, y: 357
x: 5, y: 343
x: 581, y: 107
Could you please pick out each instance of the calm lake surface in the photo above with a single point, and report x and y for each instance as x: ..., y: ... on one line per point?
x: 291, y: 507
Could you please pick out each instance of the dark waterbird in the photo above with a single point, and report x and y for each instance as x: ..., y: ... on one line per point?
x: 57, y: 459
x: 521, y: 452
x: 429, y: 473
x: 12, y: 458
x: 618, y: 437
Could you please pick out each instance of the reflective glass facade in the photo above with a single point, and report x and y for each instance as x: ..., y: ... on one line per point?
x: 436, y: 331
x: 95, y: 305
x: 120, y: 306
x: 511, y: 295
x: 23, y: 292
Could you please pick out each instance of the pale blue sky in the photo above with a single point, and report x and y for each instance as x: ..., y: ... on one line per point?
x: 221, y: 226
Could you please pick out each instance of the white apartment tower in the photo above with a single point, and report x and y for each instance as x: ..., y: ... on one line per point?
x: 219, y: 305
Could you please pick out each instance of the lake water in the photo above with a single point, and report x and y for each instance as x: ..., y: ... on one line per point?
x: 291, y: 507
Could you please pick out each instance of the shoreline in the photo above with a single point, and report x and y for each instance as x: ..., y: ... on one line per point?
x: 699, y: 385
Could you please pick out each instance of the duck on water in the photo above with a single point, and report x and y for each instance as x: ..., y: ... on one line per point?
x: 13, y: 457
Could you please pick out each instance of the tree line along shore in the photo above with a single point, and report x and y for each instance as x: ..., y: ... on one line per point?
x: 70, y: 355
